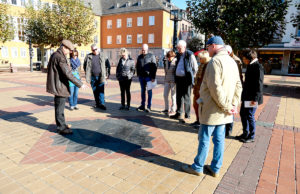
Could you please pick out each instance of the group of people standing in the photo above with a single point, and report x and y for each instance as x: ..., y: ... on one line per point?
x: 217, y: 84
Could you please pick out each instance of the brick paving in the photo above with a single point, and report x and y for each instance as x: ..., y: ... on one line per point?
x: 136, y: 152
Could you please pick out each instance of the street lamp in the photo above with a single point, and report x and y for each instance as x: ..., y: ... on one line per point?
x: 175, y: 15
x: 30, y: 55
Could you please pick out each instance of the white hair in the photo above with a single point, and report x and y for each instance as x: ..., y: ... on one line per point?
x: 181, y: 43
x: 145, y: 46
x: 228, y: 48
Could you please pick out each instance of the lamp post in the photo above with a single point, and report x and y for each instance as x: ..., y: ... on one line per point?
x: 30, y: 55
x: 175, y: 15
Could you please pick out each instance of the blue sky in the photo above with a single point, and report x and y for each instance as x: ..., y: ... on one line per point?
x: 179, y: 3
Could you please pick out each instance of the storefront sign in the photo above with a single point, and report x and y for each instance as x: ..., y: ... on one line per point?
x: 293, y: 43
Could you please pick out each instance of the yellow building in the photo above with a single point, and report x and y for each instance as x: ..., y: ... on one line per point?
x: 16, y: 51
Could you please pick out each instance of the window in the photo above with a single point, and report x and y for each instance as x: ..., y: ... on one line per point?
x: 151, y: 20
x: 298, y: 31
x: 109, y: 24
x: 82, y: 54
x: 109, y: 39
x: 182, y: 27
x: 4, y: 52
x: 140, y: 21
x: 95, y: 39
x: 129, y: 39
x: 23, y: 52
x: 119, y: 40
x: 23, y: 3
x: 140, y: 38
x: 119, y: 23
x: 14, y: 2
x: 150, y: 38
x: 14, y: 52
x: 21, y: 30
x: 129, y: 22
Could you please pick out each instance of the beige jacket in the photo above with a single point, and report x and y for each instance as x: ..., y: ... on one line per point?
x: 220, y: 90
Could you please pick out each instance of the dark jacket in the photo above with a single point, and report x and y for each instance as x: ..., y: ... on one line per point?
x: 126, y: 71
x: 253, y: 84
x: 105, y: 67
x: 188, y: 66
x: 59, y: 74
x: 146, y: 66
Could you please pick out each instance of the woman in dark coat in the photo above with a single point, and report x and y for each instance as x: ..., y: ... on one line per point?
x: 124, y: 74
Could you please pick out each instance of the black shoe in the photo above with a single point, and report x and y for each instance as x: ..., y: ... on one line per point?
x: 165, y: 111
x: 101, y: 106
x: 249, y: 140
x: 127, y: 107
x: 187, y: 116
x: 96, y: 106
x: 66, y: 131
x: 240, y: 137
x: 140, y: 108
x: 122, y: 107
x: 148, y: 110
x: 196, y: 123
x: 176, y: 116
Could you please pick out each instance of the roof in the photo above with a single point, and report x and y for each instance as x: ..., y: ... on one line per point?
x: 122, y: 6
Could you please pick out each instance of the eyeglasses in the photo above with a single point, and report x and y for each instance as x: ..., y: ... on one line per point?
x: 208, y: 46
x: 94, y: 49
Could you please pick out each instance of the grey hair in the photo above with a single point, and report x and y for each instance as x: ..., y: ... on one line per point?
x: 146, y: 45
x: 181, y: 43
x: 94, y: 46
x: 123, y: 51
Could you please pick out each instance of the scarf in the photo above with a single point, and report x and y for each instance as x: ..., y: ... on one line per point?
x: 75, y: 63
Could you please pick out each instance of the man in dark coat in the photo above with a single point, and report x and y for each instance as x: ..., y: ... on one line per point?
x: 186, y: 68
x: 58, y: 77
x: 146, y: 71
x: 252, y: 95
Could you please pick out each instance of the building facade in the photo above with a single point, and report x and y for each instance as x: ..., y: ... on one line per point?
x: 16, y: 51
x: 132, y: 23
x: 283, y: 56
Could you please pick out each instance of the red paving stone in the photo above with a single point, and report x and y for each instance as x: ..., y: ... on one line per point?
x: 43, y: 151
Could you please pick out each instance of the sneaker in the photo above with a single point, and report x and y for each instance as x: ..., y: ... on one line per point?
x: 211, y: 172
x: 72, y: 108
x: 176, y: 116
x: 122, y: 107
x: 76, y: 108
x: 165, y: 111
x: 148, y: 110
x: 190, y: 170
x: 101, y: 106
x: 140, y: 108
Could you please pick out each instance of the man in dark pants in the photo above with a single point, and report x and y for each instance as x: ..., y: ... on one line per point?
x: 97, y: 71
x: 252, y: 95
x: 186, y: 67
x: 146, y: 71
x: 58, y: 77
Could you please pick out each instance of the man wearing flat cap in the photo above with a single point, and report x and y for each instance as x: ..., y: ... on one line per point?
x: 58, y: 77
x: 220, y: 96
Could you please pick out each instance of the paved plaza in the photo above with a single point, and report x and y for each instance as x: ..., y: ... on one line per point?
x: 117, y: 151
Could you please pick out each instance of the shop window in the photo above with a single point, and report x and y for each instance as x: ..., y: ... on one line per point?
x: 294, y: 64
x: 271, y: 60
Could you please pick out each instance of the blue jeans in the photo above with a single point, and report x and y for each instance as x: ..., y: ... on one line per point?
x: 73, y: 96
x: 218, y: 132
x: 248, y: 121
x: 143, y: 83
x: 98, y: 90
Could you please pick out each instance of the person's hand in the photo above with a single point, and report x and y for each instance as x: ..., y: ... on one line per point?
x: 253, y: 103
x: 84, y: 86
x: 152, y: 80
x: 234, y: 110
